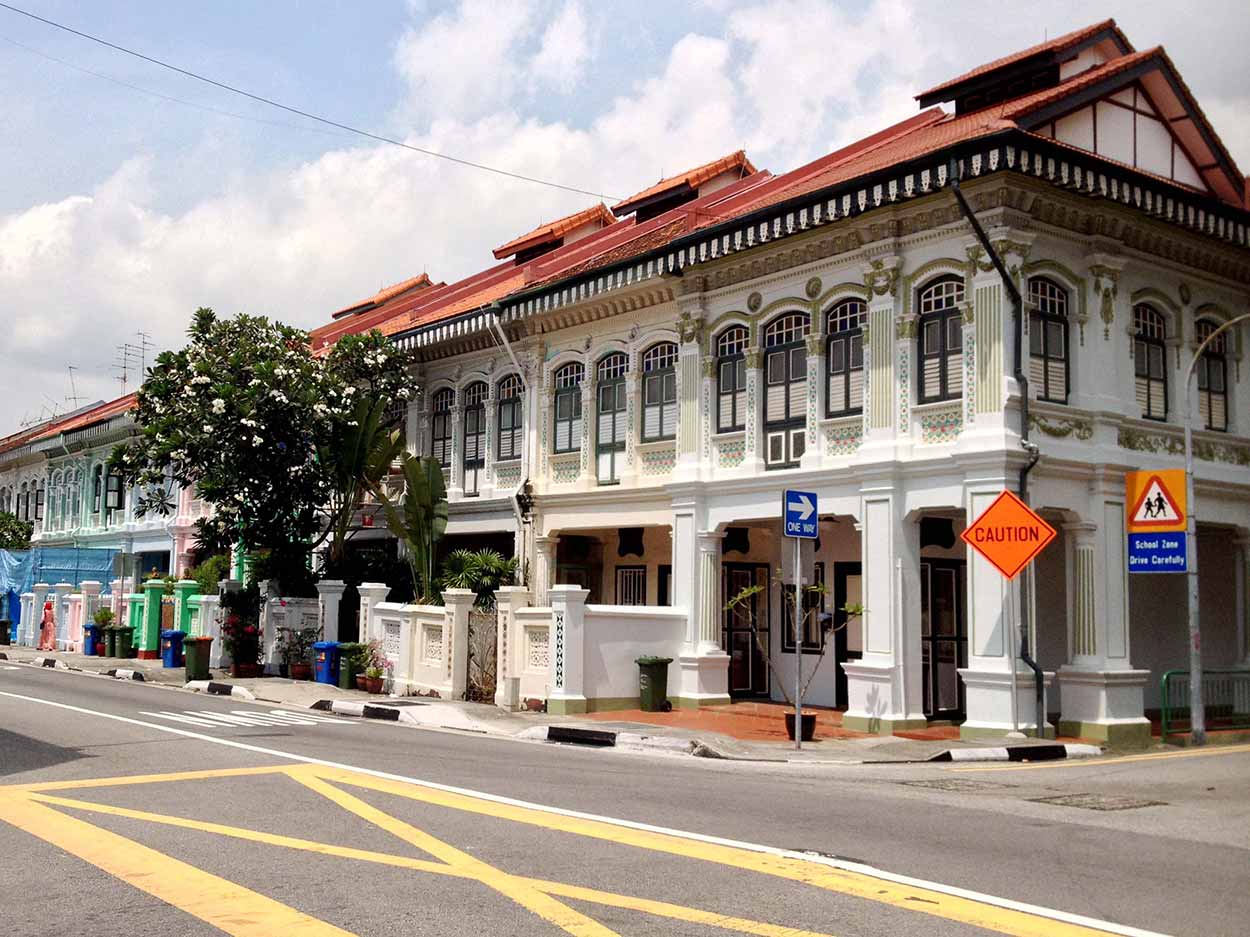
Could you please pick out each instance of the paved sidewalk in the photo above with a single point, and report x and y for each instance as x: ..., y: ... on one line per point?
x: 740, y: 732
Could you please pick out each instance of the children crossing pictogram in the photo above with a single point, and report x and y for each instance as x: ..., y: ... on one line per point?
x: 1156, y: 507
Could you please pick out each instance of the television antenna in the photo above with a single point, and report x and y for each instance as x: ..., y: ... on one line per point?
x: 74, y: 400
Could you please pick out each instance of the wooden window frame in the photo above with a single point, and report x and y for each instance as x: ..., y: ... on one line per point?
x: 441, y: 405
x: 1150, y: 331
x: 792, y: 426
x: 731, y: 347
x: 944, y: 316
x: 610, y: 380
x: 659, y: 369
x: 1039, y: 320
x: 846, y: 338
x: 511, y: 400
x: 568, y: 380
x: 1213, y: 356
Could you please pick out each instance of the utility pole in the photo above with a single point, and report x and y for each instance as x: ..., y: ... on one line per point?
x: 1197, y: 711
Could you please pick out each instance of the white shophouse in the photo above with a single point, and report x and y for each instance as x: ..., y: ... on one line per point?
x: 671, y: 365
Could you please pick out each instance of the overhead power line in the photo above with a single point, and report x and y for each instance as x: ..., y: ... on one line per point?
x: 302, y: 113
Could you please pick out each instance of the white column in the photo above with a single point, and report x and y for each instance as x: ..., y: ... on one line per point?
x: 632, y: 466
x: 816, y: 386
x: 993, y: 609
x: 371, y: 593
x: 458, y: 603
x: 487, y: 484
x: 330, y: 592
x: 507, y: 675
x: 544, y: 568
x: 60, y: 608
x: 117, y: 588
x: 455, y: 486
x: 753, y: 460
x: 704, y: 665
x: 590, y: 427
x: 90, y: 589
x: 689, y: 383
x: 884, y: 688
x: 1103, y: 696
x: 568, y: 611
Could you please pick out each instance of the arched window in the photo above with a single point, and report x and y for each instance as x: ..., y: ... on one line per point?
x: 844, y: 356
x: 731, y: 379
x: 56, y: 501
x: 785, y: 403
x: 114, y: 497
x: 75, y: 500
x: 510, y: 420
x: 610, y: 418
x: 659, y: 392
x: 941, y: 339
x: 1150, y: 361
x: 40, y: 495
x: 1048, y: 340
x: 474, y: 436
x: 1213, y: 378
x: 23, y: 503
x: 440, y: 425
x: 568, y: 408
x: 4, y: 500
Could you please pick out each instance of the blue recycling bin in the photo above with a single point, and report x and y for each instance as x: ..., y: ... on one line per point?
x: 326, y: 662
x: 171, y: 648
x: 90, y: 635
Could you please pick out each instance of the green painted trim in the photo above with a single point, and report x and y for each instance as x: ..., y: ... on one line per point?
x: 681, y: 702
x: 967, y: 732
x: 881, y: 726
x: 619, y: 703
x: 1116, y: 735
x: 607, y: 704
x: 566, y: 707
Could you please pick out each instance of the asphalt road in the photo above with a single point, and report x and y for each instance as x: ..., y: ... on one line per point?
x: 311, y: 825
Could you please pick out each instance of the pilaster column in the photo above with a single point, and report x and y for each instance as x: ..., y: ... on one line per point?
x: 330, y: 596
x: 492, y: 430
x: 884, y: 688
x: 884, y: 352
x: 183, y: 590
x: 753, y: 461
x: 816, y: 386
x: 544, y: 568
x: 590, y: 427
x: 455, y: 486
x: 419, y: 440
x: 458, y: 603
x: 1103, y: 696
x: 710, y: 599
x: 507, y: 672
x: 568, y: 631
x: 708, y: 461
x: 371, y: 593
x: 632, y: 466
x: 689, y: 383
x: 1110, y: 386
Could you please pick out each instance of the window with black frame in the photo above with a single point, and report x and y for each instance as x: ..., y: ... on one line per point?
x: 440, y: 425
x: 844, y: 355
x: 1150, y: 361
x: 474, y: 436
x: 1048, y: 340
x: 114, y: 496
x: 568, y: 408
x: 509, y: 417
x: 610, y: 417
x: 940, y: 339
x: 813, y: 605
x: 97, y: 491
x: 731, y: 379
x: 40, y: 495
x: 659, y: 392
x: 785, y: 392
x: 1213, y: 378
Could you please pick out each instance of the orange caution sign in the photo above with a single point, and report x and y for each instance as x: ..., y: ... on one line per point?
x: 1008, y: 534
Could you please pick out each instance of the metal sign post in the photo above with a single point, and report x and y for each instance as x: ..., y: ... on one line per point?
x: 800, y: 521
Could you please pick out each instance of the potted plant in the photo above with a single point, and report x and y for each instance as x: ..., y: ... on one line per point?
x: 742, y: 601
x: 374, y: 667
x: 240, y: 630
x: 102, y: 619
x: 295, y: 645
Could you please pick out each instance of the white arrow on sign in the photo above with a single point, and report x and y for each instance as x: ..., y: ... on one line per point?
x: 804, y: 506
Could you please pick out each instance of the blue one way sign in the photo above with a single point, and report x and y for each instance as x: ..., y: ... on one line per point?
x: 799, y: 514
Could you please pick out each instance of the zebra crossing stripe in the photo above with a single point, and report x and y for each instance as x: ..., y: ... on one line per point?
x: 245, y: 718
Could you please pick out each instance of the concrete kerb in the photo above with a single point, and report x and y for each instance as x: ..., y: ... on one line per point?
x: 122, y: 674
x: 1020, y: 753
x: 219, y: 689
x: 51, y: 662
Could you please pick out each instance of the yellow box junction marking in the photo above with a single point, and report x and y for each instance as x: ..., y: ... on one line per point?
x: 30, y: 807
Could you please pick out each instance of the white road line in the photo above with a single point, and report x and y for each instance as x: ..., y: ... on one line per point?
x: 833, y: 862
x: 11, y: 667
x: 241, y: 717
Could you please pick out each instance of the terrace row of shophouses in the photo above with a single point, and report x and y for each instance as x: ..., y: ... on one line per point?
x: 622, y: 398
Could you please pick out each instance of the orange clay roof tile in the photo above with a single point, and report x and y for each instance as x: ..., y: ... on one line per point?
x: 553, y: 230
x: 388, y: 292
x: 691, y: 177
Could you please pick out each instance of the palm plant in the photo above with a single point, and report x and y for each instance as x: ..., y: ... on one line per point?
x: 357, y: 462
x: 418, y: 517
x: 483, y: 571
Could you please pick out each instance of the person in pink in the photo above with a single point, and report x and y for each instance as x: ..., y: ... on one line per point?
x: 47, y: 633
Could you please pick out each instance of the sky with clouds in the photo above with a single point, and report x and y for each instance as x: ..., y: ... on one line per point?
x: 123, y: 210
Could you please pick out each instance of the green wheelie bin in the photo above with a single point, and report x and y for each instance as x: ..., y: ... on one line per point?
x: 653, y: 684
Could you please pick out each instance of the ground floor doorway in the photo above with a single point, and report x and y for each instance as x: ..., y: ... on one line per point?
x: 943, y: 637
x: 848, y: 637
x: 745, y: 627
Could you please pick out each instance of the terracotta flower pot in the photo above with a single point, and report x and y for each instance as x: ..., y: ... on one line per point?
x: 240, y: 671
x: 373, y: 685
x: 360, y: 681
x: 301, y: 671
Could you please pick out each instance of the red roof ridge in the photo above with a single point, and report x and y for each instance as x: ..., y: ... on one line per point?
x: 103, y: 411
x: 691, y: 177
x: 387, y: 292
x: 551, y: 230
x: 1059, y: 43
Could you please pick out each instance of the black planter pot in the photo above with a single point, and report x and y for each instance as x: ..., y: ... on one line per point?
x: 809, y: 726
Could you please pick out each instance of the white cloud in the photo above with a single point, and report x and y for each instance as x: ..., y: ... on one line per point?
x: 565, y: 50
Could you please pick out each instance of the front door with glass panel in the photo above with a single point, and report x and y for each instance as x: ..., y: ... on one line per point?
x: 748, y: 672
x: 944, y: 636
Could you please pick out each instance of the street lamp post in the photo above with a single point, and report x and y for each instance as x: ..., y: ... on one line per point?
x: 1197, y: 714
